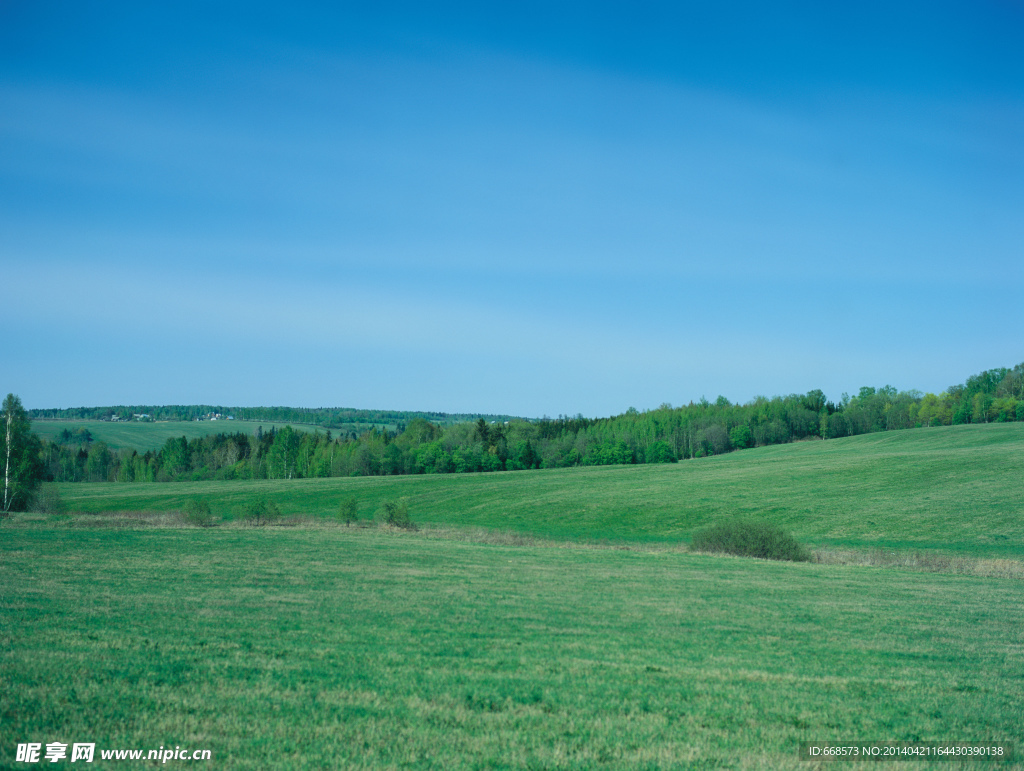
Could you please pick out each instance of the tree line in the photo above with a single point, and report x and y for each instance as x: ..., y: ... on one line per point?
x: 336, y: 418
x: 664, y: 435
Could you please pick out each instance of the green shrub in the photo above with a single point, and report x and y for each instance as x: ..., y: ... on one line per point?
x: 260, y: 512
x: 197, y: 512
x: 660, y: 452
x: 749, y: 538
x: 48, y: 500
x: 396, y: 513
x: 348, y: 511
x: 740, y: 437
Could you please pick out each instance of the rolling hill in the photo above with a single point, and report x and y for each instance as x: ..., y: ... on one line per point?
x: 953, y: 488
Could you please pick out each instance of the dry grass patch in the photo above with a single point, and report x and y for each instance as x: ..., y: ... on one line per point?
x: 922, y: 562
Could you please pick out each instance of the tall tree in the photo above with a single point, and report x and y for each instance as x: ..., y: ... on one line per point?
x: 19, y: 451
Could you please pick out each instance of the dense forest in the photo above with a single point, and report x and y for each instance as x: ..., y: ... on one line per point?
x: 420, y: 446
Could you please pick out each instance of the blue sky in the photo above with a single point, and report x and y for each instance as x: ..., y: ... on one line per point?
x: 525, y: 208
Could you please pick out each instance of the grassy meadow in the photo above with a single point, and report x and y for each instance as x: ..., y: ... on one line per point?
x: 330, y: 647
x: 143, y: 436
x: 953, y: 489
x: 538, y: 620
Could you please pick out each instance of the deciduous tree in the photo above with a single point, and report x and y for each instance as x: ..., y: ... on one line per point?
x: 19, y: 452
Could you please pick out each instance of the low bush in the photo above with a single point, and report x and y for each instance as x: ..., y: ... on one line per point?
x: 348, y: 511
x: 197, y: 512
x: 260, y: 512
x: 749, y: 538
x: 396, y: 514
x: 48, y: 500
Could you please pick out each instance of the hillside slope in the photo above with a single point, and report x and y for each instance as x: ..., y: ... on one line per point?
x: 959, y: 488
x: 152, y: 436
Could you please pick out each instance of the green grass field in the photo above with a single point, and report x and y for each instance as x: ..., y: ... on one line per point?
x: 958, y: 489
x: 151, y: 436
x: 327, y: 647
x: 323, y: 646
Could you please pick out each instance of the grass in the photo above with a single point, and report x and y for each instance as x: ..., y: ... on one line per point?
x: 546, y: 619
x: 334, y: 647
x: 152, y: 436
x: 954, y: 490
